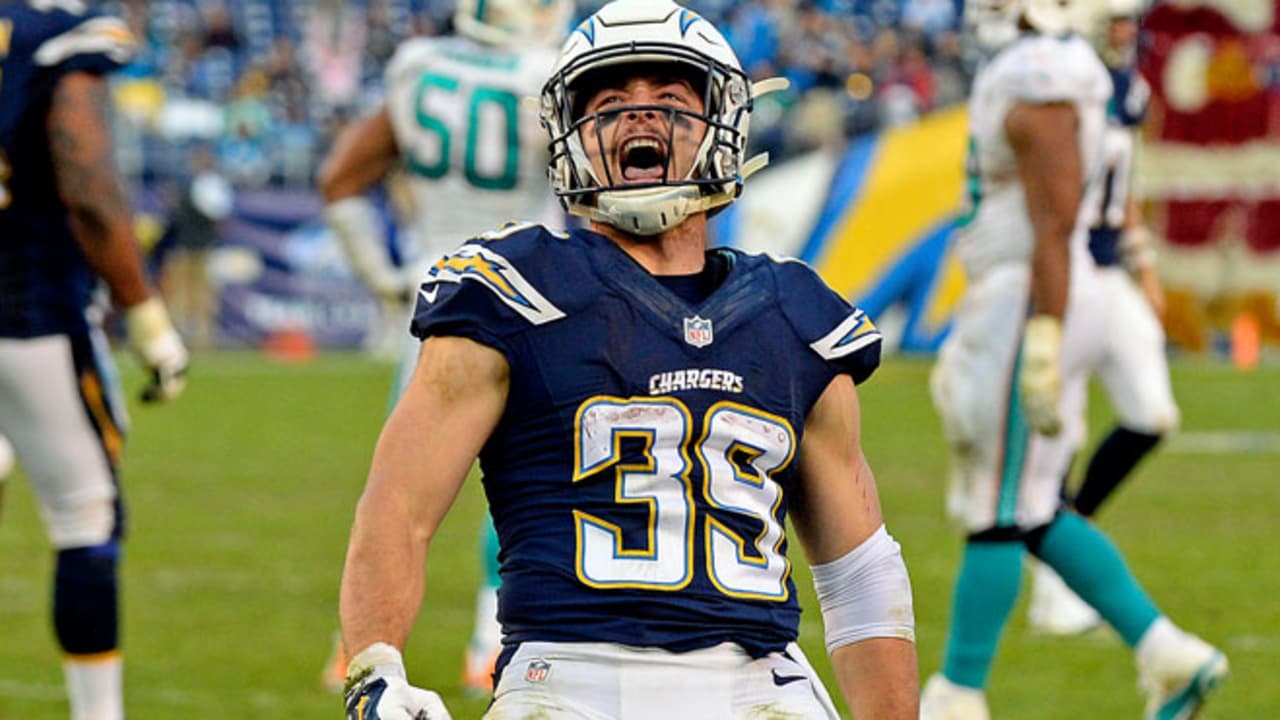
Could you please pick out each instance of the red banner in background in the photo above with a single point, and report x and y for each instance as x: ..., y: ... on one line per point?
x: 1212, y: 151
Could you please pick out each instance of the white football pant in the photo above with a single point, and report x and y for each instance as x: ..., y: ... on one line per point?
x: 605, y: 681
x: 60, y: 407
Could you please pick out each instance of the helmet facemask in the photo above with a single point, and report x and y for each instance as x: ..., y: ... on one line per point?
x: 660, y: 192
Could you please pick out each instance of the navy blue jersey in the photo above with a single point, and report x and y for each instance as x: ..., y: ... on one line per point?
x: 1130, y: 99
x: 1125, y: 112
x: 45, y: 284
x: 640, y: 474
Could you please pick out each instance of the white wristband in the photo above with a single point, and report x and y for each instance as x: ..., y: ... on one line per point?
x: 866, y: 593
x: 359, y: 229
x: 380, y: 660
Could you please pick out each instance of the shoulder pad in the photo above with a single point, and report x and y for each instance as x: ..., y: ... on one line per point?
x: 410, y: 57
x: 481, y: 288
x: 839, y: 333
x: 80, y: 39
x: 1045, y: 69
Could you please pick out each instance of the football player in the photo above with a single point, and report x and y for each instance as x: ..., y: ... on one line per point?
x: 65, y: 223
x: 1038, y: 120
x: 455, y: 120
x: 647, y: 414
x: 1125, y: 344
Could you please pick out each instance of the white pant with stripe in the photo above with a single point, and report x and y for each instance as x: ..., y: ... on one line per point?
x: 60, y: 408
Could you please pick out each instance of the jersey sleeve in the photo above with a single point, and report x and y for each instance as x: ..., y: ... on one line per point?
x: 409, y: 58
x: 478, y: 292
x: 1048, y: 70
x: 86, y: 42
x: 843, y: 336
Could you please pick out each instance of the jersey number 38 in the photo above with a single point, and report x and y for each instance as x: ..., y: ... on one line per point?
x: 741, y: 448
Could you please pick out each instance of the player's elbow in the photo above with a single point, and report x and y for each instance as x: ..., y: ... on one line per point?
x: 329, y: 182
x: 95, y: 217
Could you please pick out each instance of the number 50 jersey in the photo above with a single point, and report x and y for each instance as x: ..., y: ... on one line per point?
x: 640, y: 475
x: 475, y: 154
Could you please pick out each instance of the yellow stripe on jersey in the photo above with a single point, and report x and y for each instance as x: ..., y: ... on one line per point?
x: 6, y: 35
x: 472, y: 262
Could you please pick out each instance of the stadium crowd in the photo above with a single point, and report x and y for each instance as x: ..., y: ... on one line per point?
x: 265, y: 84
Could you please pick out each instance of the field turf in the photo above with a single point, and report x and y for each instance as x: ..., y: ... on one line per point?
x: 241, y: 498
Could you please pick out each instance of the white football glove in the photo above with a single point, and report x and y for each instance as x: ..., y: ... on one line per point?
x: 355, y: 222
x: 377, y: 689
x: 159, y: 347
x: 1040, y: 377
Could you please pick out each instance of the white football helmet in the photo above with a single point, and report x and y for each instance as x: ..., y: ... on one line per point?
x: 650, y: 32
x: 996, y: 23
x: 513, y: 22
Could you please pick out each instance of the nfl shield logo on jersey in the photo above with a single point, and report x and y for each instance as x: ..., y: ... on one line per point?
x: 697, y: 331
x: 537, y: 671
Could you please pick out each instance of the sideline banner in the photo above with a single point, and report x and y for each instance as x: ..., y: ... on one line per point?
x: 874, y: 219
x: 279, y: 269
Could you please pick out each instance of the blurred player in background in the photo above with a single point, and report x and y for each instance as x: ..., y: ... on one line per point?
x: 455, y: 118
x: 1127, y: 347
x: 64, y: 223
x: 1037, y: 123
x: 646, y: 413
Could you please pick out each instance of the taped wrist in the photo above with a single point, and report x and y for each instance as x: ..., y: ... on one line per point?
x: 151, y: 331
x: 1042, y: 338
x: 866, y: 593
x: 359, y: 229
x: 378, y: 660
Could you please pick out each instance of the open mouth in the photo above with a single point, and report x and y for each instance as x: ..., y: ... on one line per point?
x: 643, y: 159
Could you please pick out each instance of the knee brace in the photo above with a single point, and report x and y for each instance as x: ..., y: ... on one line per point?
x: 85, y: 599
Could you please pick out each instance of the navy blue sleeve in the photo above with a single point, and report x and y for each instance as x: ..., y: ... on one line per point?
x: 842, y: 335
x: 478, y: 292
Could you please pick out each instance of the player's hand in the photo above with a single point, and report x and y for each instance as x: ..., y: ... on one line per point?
x: 159, y: 347
x: 1040, y: 377
x: 377, y: 689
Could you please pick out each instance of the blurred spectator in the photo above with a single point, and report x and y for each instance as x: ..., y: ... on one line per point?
x: 201, y: 207
x: 907, y: 80
x: 332, y: 47
x: 243, y: 158
x: 814, y: 51
x: 247, y: 110
x: 219, y: 31
x: 281, y: 73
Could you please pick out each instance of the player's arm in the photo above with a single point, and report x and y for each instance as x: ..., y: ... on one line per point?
x: 1043, y: 138
x: 1045, y: 146
x: 362, y: 155
x: 861, y: 579
x: 1136, y: 246
x: 80, y: 147
x: 451, y: 405
x: 101, y: 220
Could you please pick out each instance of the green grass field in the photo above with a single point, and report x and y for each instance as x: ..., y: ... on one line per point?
x: 241, y: 497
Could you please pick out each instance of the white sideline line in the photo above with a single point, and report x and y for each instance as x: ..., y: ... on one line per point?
x: 1250, y: 643
x: 168, y: 696
x: 1225, y: 442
